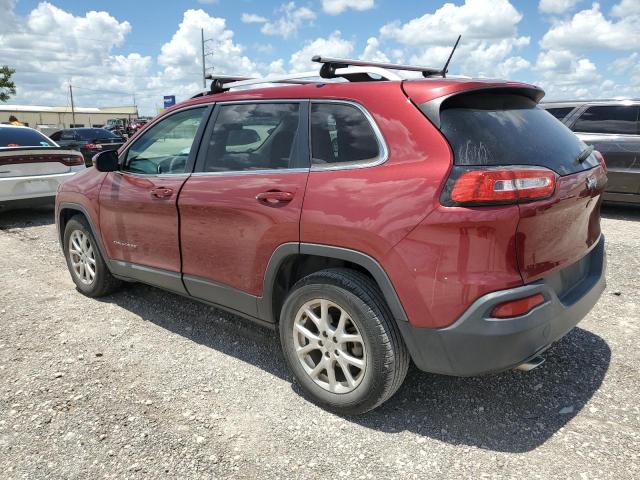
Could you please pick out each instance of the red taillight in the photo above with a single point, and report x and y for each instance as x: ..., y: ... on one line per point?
x: 72, y: 160
x: 600, y: 160
x: 501, y: 185
x: 12, y: 145
x: 516, y: 308
x: 93, y: 146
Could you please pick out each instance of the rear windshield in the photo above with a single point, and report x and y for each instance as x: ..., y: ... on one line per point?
x: 96, y: 134
x: 503, y: 129
x: 23, y: 137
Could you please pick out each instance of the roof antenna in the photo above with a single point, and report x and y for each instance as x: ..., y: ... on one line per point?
x: 446, y: 65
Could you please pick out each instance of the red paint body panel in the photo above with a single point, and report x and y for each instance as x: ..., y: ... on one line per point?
x: 228, y: 234
x: 136, y: 226
x: 83, y: 189
x: 453, y: 257
x: 557, y: 232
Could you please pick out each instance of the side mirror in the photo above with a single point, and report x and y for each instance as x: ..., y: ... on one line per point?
x: 106, y: 161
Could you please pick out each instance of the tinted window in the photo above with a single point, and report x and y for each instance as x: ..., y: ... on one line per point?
x: 165, y: 147
x: 253, y: 137
x: 95, y: 134
x: 559, y: 112
x: 488, y: 129
x: 341, y: 134
x: 68, y: 135
x: 608, y: 119
x: 23, y: 137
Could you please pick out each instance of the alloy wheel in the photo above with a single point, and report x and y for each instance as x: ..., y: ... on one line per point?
x: 82, y: 257
x: 329, y: 346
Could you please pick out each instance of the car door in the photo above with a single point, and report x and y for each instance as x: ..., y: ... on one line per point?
x: 613, y: 130
x: 243, y: 200
x: 138, y: 203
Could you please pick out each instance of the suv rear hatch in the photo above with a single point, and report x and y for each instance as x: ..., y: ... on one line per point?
x: 500, y: 138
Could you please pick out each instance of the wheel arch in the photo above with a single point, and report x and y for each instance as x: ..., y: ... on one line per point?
x: 65, y: 212
x: 292, y: 261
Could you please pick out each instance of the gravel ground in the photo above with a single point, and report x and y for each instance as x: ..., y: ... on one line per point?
x: 146, y: 384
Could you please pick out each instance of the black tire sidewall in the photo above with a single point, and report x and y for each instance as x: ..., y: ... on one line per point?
x: 366, y: 318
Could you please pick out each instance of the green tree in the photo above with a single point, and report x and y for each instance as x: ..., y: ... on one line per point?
x: 7, y: 87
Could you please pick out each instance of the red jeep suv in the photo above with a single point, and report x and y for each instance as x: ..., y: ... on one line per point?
x: 373, y: 221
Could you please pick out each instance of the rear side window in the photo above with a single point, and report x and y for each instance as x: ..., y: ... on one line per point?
x: 96, y: 134
x: 259, y: 136
x: 621, y: 119
x: 559, y: 112
x: 505, y: 129
x: 341, y: 134
x: 23, y: 137
x: 68, y: 135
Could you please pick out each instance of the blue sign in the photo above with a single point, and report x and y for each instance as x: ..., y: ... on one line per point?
x: 169, y: 101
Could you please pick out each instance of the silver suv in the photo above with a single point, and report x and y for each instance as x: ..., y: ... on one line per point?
x: 612, y: 127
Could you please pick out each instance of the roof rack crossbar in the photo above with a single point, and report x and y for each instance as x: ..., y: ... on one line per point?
x: 331, y: 64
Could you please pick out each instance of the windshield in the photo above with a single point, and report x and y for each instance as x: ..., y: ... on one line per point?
x: 23, y: 137
x: 497, y: 130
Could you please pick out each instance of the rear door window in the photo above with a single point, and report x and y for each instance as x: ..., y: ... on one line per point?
x: 612, y: 119
x: 254, y: 136
x: 504, y: 129
x: 341, y: 134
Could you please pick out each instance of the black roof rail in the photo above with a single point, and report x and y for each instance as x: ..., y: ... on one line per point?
x: 331, y: 64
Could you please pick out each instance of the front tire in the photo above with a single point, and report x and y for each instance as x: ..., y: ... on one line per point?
x: 341, y: 341
x: 87, y: 267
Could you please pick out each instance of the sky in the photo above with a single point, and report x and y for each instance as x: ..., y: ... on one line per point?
x: 116, y: 52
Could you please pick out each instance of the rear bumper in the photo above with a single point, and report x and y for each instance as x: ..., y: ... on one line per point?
x: 476, y: 343
x: 34, y: 186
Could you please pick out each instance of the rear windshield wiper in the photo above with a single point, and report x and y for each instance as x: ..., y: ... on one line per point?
x: 584, y: 154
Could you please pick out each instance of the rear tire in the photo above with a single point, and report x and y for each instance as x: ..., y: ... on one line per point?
x: 87, y: 267
x: 341, y: 341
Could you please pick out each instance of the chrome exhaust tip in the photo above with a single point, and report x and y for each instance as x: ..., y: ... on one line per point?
x: 530, y: 364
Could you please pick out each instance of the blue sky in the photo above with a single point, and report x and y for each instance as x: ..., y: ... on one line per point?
x: 110, y: 50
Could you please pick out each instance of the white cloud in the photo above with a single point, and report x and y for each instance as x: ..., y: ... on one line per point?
x: 290, y: 21
x: 335, y: 7
x: 474, y: 20
x: 252, y: 18
x: 332, y: 46
x: 51, y: 47
x: 625, y: 8
x: 372, y: 51
x: 181, y: 56
x: 489, y: 30
x: 556, y: 6
x: 564, y: 75
x: 590, y: 29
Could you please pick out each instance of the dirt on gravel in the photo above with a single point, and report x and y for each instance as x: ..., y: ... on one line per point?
x: 147, y: 384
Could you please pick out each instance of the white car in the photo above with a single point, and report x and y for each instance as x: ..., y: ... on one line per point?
x: 32, y: 166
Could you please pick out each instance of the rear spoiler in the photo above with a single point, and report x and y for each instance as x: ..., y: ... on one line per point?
x: 433, y: 107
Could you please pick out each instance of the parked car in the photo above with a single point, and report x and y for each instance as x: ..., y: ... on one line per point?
x: 32, y: 167
x: 135, y: 125
x: 88, y: 141
x: 613, y: 128
x: 448, y: 221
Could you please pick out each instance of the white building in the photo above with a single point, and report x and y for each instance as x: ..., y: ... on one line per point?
x: 50, y: 119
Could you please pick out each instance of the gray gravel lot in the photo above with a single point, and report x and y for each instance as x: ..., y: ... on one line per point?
x: 146, y: 384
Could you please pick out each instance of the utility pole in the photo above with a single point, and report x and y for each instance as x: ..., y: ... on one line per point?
x: 73, y: 108
x: 204, y: 68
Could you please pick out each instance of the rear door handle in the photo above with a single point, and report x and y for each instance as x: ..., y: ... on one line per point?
x: 274, y: 198
x: 162, y: 192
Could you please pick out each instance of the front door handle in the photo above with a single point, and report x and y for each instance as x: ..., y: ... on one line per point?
x: 162, y: 192
x: 274, y: 197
